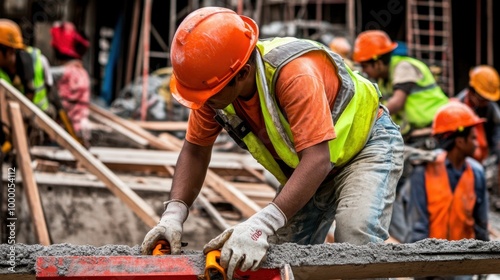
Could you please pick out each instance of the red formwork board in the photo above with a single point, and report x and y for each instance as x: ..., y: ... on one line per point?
x: 134, y: 267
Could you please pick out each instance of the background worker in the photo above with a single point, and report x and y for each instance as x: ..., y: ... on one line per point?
x: 314, y: 124
x: 27, y: 68
x: 481, y: 95
x: 10, y: 41
x: 410, y: 91
x: 24, y: 68
x: 449, y: 196
x: 412, y: 96
x: 71, y: 79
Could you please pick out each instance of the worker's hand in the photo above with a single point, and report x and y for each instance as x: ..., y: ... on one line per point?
x: 245, y: 245
x: 169, y: 228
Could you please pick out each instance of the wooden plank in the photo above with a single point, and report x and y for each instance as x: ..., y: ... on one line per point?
x: 161, y: 185
x: 83, y: 181
x: 96, y: 167
x: 29, y: 183
x: 212, y: 212
x: 171, y: 139
x: 162, y: 126
x: 209, y: 208
x: 229, y: 192
x: 146, y: 157
x: 154, y: 141
x: 136, y: 139
x: 232, y: 194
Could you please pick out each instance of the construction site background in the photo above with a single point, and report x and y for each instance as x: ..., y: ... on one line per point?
x: 79, y: 208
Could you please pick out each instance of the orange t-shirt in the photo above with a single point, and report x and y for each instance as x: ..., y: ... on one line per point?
x: 305, y: 89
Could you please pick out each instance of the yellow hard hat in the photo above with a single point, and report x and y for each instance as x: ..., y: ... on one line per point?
x: 10, y: 34
x: 485, y: 81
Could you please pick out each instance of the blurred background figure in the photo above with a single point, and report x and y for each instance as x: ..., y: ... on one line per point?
x: 342, y: 46
x: 448, y: 197
x: 71, y: 79
x: 482, y: 95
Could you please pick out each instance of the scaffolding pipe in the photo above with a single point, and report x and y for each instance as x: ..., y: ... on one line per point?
x: 145, y: 61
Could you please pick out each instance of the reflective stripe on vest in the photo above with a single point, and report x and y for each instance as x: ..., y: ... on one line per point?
x: 450, y: 213
x: 354, y: 112
x: 40, y: 96
x: 422, y: 103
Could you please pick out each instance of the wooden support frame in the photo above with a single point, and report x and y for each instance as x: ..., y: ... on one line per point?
x: 154, y: 142
x: 95, y: 166
x: 29, y: 183
x: 226, y: 190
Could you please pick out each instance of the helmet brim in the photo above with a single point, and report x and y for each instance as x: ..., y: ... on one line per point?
x: 195, y: 99
x: 491, y: 96
x: 363, y: 58
x: 478, y: 121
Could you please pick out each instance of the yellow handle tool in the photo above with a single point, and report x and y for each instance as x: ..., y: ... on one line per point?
x: 213, y: 270
x: 162, y: 248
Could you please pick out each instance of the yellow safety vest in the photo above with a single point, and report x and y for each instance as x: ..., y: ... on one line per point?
x: 353, y: 114
x: 40, y: 96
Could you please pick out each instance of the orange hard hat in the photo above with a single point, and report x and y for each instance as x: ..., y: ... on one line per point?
x: 454, y: 116
x: 10, y: 34
x: 208, y: 49
x: 341, y: 46
x: 371, y: 44
x: 485, y: 81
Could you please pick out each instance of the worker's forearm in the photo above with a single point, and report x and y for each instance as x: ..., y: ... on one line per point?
x: 397, y: 101
x: 190, y: 172
x: 307, y: 177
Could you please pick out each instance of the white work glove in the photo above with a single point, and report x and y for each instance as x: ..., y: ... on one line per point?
x: 168, y: 228
x: 245, y: 244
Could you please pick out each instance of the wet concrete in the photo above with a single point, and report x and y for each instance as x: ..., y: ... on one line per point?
x: 296, y: 255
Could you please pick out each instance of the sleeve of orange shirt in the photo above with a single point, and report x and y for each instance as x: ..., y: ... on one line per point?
x: 202, y: 127
x: 306, y: 91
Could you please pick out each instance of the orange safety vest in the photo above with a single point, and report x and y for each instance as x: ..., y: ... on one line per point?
x: 450, y: 213
x: 482, y: 151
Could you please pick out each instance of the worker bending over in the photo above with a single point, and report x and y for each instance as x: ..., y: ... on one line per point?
x: 410, y: 91
x: 307, y: 118
x: 448, y: 196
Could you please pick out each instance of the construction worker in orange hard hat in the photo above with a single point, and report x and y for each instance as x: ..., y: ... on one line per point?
x: 482, y: 95
x: 10, y: 41
x: 25, y: 68
x: 307, y: 118
x: 410, y: 91
x: 449, y: 199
